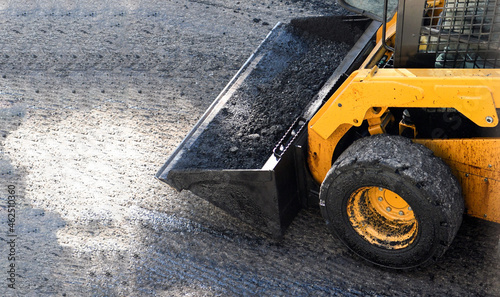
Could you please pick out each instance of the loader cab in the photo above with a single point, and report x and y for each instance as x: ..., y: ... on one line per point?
x: 447, y: 34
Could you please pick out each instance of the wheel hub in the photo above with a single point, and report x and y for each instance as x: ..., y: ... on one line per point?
x: 390, y: 204
x: 382, y: 217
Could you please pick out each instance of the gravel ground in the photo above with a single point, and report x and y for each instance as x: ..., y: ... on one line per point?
x: 94, y: 95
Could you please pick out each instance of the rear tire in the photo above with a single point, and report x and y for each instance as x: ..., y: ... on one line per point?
x: 392, y: 202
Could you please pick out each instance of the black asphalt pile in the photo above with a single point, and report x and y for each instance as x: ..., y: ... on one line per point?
x: 244, y: 132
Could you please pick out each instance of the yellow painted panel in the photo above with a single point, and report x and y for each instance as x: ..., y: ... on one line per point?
x: 476, y: 164
x: 474, y: 92
x: 471, y: 91
x: 318, y: 164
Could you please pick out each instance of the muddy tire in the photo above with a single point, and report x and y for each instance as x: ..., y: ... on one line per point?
x: 392, y: 202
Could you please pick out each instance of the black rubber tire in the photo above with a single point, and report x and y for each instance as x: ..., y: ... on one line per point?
x: 414, y: 173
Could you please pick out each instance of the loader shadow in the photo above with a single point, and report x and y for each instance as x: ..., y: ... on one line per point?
x: 185, y: 256
x: 28, y: 235
x: 42, y: 264
x: 476, y: 248
x: 469, y: 266
x: 37, y: 256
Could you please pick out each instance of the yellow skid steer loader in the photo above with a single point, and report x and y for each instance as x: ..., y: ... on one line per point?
x: 387, y: 119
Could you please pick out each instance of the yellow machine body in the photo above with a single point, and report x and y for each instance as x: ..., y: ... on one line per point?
x: 367, y: 95
x: 476, y: 164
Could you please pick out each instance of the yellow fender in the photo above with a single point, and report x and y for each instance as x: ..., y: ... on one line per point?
x: 368, y: 92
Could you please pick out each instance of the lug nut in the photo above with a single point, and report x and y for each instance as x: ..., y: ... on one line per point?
x: 388, y: 209
x: 401, y: 213
x: 409, y: 208
x: 380, y: 199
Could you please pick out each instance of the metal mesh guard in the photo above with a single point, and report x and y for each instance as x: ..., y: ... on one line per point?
x: 462, y: 33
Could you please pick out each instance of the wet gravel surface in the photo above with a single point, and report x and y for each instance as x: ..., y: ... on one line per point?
x: 93, y: 98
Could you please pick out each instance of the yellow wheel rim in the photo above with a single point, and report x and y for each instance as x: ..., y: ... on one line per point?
x: 382, y: 218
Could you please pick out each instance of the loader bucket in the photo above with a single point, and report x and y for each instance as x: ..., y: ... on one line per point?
x: 245, y: 155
